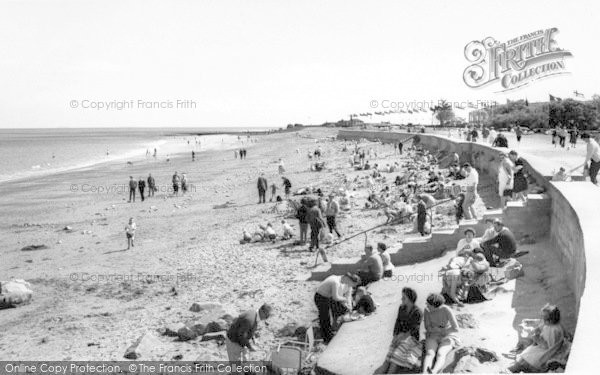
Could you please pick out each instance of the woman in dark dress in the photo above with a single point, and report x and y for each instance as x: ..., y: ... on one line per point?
x: 404, y: 355
x: 520, y: 182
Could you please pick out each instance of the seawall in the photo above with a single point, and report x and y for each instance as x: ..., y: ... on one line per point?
x: 572, y: 222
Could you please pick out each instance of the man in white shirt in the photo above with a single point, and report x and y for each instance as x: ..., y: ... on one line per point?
x: 592, y: 156
x: 470, y: 183
x: 334, y: 297
x: 490, y: 232
x: 467, y: 245
x: 493, y: 135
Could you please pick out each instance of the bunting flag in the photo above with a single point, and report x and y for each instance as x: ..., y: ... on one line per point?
x: 554, y: 98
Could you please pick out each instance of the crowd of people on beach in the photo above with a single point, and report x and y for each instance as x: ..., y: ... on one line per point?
x: 424, y: 181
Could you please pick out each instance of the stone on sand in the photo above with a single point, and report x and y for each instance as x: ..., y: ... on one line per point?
x: 204, y: 306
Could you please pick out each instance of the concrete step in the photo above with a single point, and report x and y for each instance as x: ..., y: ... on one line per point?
x: 416, y: 243
x: 515, y: 204
x: 492, y: 214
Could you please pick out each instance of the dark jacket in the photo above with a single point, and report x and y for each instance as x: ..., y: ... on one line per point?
x: 141, y: 184
x: 262, y: 184
x: 505, y: 239
x: 408, y: 321
x: 132, y: 184
x: 151, y: 182
x: 301, y: 214
x: 243, y: 327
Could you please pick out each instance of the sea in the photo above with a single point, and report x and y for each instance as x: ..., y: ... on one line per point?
x: 27, y: 153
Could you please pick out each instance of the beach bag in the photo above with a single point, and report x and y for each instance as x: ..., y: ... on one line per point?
x: 474, y: 295
x: 514, y: 270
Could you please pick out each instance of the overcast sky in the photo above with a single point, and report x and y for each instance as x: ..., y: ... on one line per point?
x: 264, y: 63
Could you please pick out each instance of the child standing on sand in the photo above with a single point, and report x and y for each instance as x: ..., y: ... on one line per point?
x: 273, y: 192
x: 130, y: 233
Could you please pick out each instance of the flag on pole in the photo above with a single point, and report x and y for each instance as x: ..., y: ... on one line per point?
x: 554, y: 98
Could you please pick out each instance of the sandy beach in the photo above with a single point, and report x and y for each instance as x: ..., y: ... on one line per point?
x: 93, y: 298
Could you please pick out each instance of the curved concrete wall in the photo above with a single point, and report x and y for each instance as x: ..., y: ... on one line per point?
x: 574, y: 226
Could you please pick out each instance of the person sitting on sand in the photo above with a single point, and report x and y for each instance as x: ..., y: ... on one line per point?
x: 490, y: 231
x: 270, y: 232
x: 468, y: 244
x: 363, y: 302
x: 475, y: 278
x: 546, y: 338
x: 246, y: 237
x: 288, y: 232
x: 503, y: 245
x: 130, y: 233
x: 386, y: 260
x: 405, y: 352
x: 441, y: 331
x: 452, y: 280
x: 371, y: 268
x: 561, y: 175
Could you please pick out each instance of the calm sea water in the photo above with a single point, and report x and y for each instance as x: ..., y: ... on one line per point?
x: 36, y: 152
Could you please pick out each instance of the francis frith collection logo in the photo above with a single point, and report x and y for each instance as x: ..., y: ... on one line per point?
x: 515, y: 63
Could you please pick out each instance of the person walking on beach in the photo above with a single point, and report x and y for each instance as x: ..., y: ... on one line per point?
x: 130, y: 233
x: 142, y: 187
x: 262, y: 188
x: 400, y: 147
x: 235, y: 154
x: 184, y: 185
x: 287, y: 185
x: 175, y: 181
x: 519, y: 134
x: 151, y: 185
x: 193, y: 156
x: 132, y: 187
x: 592, y: 156
x: 154, y: 153
x: 573, y: 136
x: 240, y: 335
x: 331, y: 213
